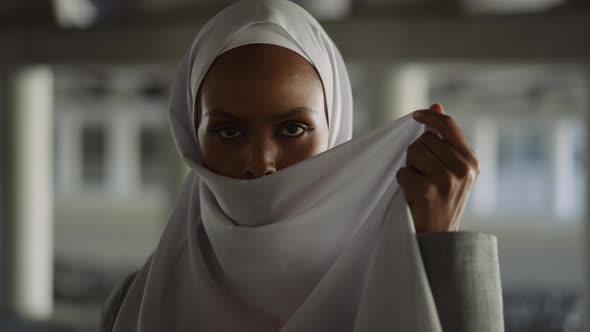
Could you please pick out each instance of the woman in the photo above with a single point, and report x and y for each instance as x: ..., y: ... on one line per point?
x: 284, y: 223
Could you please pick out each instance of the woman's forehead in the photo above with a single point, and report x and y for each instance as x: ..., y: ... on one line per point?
x: 259, y: 75
x: 260, y: 59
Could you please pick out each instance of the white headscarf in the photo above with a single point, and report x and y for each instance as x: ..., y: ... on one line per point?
x: 327, y: 244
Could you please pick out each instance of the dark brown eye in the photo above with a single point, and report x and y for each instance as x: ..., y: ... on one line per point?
x: 229, y: 132
x: 293, y: 130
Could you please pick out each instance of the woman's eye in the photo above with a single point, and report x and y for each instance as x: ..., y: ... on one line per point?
x: 293, y: 130
x: 229, y: 132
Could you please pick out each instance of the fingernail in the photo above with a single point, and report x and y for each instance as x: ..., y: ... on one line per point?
x: 437, y: 107
x: 418, y: 114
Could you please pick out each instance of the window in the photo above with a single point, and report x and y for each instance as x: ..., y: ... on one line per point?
x: 526, y: 126
x: 522, y: 167
x: 93, y: 155
x: 152, y: 153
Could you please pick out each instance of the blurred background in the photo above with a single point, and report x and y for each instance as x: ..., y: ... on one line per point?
x: 89, y: 172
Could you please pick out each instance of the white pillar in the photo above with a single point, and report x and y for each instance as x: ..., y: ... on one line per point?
x: 563, y: 168
x: 586, y: 223
x: 485, y: 144
x: 124, y: 170
x: 69, y: 137
x: 31, y: 94
x: 405, y: 89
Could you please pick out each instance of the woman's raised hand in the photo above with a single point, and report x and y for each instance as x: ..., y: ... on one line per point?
x: 439, y: 173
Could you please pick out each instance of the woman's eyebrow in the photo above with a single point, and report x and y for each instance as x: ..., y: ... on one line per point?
x: 295, y: 111
x: 223, y: 114
x: 231, y: 116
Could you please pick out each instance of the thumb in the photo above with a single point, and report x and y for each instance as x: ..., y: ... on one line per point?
x: 438, y: 108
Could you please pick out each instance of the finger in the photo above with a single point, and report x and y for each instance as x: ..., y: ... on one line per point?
x: 415, y: 185
x: 447, y: 127
x: 438, y: 108
x: 422, y: 159
x: 447, y: 155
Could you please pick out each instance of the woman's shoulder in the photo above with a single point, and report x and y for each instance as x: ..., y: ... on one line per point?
x: 113, y: 303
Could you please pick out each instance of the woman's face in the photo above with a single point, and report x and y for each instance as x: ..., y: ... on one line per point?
x: 261, y: 109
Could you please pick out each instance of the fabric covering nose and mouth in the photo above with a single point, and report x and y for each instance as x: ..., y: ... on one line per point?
x: 327, y: 244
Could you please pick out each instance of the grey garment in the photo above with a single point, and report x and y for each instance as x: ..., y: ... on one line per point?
x: 113, y: 303
x: 463, y: 272
x: 464, y: 275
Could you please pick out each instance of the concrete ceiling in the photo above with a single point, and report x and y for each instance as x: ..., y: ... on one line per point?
x: 17, y: 11
x: 22, y: 12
